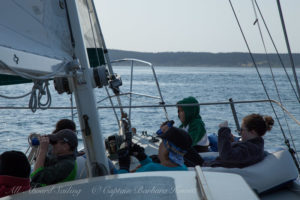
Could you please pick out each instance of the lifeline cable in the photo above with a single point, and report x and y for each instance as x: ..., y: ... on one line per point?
x: 15, y: 97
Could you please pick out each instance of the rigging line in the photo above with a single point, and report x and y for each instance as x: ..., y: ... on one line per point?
x: 104, y: 51
x: 285, y: 138
x: 72, y: 110
x: 114, y: 109
x: 288, y: 47
x: 128, y: 93
x: 17, y: 97
x: 145, y: 101
x: 253, y: 60
x: 273, y: 77
x: 275, y: 47
x: 98, y: 60
x: 108, y: 63
x: 112, y: 106
x: 70, y: 29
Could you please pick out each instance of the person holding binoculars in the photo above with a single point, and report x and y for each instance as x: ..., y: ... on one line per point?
x: 60, y: 166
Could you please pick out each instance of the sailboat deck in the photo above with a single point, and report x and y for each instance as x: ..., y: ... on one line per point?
x: 147, y: 185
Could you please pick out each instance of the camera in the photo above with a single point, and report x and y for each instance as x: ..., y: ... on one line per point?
x: 112, y: 144
x: 35, y: 141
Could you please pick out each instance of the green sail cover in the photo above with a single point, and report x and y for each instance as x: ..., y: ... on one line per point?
x: 94, y: 59
x: 10, y: 80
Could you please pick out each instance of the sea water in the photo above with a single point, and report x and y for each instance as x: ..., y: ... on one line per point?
x: 207, y: 84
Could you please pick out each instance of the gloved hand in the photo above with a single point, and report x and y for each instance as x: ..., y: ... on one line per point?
x: 124, y: 158
x: 138, y: 152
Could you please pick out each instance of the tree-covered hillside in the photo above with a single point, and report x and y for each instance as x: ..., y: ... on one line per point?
x: 203, y: 59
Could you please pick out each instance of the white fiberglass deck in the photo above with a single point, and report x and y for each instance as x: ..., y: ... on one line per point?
x: 147, y: 185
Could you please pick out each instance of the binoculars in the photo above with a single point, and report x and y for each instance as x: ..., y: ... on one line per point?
x: 36, y: 142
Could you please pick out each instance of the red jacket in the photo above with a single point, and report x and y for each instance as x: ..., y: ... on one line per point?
x: 10, y: 185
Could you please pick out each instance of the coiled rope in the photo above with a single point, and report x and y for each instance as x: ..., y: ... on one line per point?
x: 39, y: 89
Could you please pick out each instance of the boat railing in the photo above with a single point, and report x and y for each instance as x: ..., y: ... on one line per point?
x: 230, y: 102
x: 162, y: 103
x: 164, y: 106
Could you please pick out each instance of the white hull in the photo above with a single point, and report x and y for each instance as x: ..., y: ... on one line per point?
x: 146, y: 185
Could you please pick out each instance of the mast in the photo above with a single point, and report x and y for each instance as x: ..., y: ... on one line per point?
x: 288, y: 47
x: 85, y: 100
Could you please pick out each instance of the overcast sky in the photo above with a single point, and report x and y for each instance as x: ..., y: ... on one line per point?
x: 195, y: 25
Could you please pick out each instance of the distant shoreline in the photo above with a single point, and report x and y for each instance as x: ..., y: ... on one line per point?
x: 197, y: 59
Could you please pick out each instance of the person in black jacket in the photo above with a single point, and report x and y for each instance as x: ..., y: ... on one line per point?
x: 249, y: 150
x: 175, y: 144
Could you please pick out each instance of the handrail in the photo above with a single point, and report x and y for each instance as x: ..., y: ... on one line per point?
x: 132, y: 60
x: 171, y: 105
x: 128, y: 93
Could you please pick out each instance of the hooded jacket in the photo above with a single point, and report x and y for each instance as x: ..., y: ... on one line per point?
x: 193, y: 123
x: 237, y: 154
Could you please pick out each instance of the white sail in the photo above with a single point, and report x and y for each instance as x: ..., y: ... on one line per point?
x: 89, y: 24
x: 34, y: 35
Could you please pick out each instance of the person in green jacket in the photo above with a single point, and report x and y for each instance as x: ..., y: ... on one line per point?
x: 192, y: 123
x: 61, y: 165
